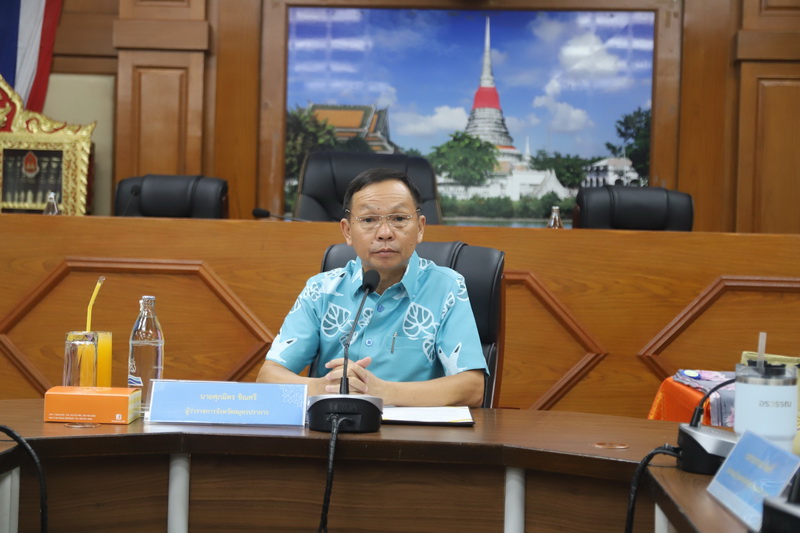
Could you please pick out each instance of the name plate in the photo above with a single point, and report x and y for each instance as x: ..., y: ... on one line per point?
x: 227, y: 403
x: 754, y: 470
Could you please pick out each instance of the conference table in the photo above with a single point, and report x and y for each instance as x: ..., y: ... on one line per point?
x: 514, y: 470
x: 684, y: 504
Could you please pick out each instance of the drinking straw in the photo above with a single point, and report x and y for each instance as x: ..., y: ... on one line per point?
x: 100, y: 281
x: 762, y: 346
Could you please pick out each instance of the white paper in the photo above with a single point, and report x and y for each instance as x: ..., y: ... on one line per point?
x: 428, y: 415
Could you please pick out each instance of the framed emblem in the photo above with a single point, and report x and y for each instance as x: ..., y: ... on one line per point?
x: 39, y: 155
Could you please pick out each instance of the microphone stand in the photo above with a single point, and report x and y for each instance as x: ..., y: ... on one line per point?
x: 342, y: 412
x: 361, y: 411
x: 263, y: 213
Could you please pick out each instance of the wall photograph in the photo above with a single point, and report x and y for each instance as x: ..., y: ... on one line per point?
x: 552, y: 99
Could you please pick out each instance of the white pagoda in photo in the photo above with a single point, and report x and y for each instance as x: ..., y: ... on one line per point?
x: 513, y: 176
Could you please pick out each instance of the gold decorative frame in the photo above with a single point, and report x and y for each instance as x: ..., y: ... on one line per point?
x: 28, y: 136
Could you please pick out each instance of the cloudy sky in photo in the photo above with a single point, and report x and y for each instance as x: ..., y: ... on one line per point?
x: 564, y: 77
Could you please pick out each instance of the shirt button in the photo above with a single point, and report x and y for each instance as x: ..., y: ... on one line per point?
x: 380, y: 308
x: 368, y: 342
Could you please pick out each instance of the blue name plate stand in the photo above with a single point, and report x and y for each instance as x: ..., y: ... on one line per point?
x: 227, y: 403
x: 754, y: 470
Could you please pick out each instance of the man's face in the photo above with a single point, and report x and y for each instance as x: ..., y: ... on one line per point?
x: 385, y: 247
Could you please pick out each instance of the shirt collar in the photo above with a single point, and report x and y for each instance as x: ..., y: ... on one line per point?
x: 410, y: 279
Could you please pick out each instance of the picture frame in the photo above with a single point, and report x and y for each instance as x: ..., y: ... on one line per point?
x: 39, y: 155
x: 273, y: 110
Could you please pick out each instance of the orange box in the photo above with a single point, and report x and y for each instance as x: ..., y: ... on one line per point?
x: 100, y: 405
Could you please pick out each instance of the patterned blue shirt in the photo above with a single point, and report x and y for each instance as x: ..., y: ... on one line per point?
x: 419, y: 329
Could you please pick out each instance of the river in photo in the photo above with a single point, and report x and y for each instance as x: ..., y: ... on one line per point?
x: 502, y: 222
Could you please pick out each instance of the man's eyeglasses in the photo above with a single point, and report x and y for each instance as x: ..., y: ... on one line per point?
x: 372, y: 222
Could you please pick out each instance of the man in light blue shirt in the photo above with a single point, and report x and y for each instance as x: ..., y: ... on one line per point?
x: 416, y: 342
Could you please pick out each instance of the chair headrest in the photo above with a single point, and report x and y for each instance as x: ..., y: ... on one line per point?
x: 326, y: 175
x: 634, y: 208
x: 167, y: 196
x: 172, y: 196
x: 644, y: 208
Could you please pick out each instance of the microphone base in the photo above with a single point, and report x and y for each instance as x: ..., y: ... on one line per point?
x: 780, y: 516
x: 364, y: 411
x: 704, y: 448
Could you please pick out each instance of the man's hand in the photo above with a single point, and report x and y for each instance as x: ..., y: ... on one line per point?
x: 361, y: 379
x: 465, y: 388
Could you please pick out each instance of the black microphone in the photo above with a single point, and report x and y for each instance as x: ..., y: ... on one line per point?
x: 264, y: 213
x: 369, y: 284
x: 362, y: 412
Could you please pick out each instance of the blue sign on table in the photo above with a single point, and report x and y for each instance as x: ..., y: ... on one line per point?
x: 228, y: 402
x: 754, y: 470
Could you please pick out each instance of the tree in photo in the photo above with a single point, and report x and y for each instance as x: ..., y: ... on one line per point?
x: 569, y: 169
x: 634, y: 130
x: 548, y: 200
x: 305, y: 133
x: 354, y: 144
x: 464, y: 159
x: 413, y: 152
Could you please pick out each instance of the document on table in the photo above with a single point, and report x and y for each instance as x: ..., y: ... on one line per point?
x: 428, y: 416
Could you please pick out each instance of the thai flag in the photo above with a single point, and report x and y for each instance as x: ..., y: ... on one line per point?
x: 27, y: 34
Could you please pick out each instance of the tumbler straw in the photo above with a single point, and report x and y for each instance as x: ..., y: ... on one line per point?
x: 100, y: 281
x: 762, y: 347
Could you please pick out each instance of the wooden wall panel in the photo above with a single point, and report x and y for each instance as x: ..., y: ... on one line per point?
x: 665, y: 108
x: 732, y: 304
x: 570, y: 494
x: 769, y: 162
x: 708, y: 112
x: 188, y: 92
x: 83, y: 43
x: 590, y: 316
x: 163, y: 9
x: 275, y: 491
x: 160, y: 113
x: 161, y: 34
x: 272, y: 112
x: 231, y: 144
x: 771, y: 14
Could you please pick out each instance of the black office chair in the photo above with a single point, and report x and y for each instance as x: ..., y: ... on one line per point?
x: 156, y: 195
x: 633, y: 208
x: 482, y: 269
x: 325, y: 176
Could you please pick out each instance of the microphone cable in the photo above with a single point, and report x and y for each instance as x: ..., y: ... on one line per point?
x: 336, y: 420
x: 39, y: 470
x: 666, y: 449
x: 697, y: 415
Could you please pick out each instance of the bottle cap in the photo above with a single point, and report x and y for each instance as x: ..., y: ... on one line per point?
x: 771, y: 374
x: 770, y: 369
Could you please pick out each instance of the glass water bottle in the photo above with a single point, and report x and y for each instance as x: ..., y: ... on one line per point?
x: 555, y: 219
x: 146, y: 355
x: 51, y: 207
